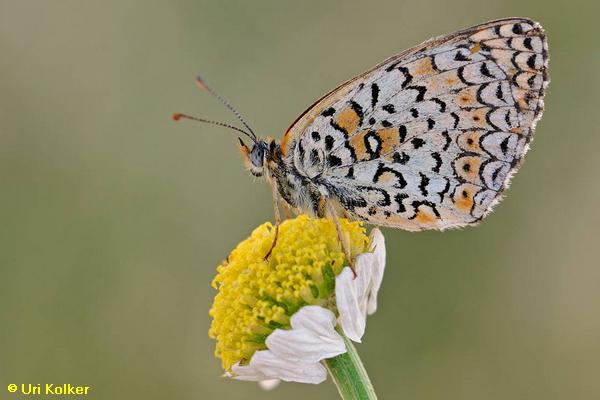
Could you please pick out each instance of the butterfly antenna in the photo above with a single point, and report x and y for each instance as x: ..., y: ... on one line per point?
x: 200, y: 82
x: 179, y: 116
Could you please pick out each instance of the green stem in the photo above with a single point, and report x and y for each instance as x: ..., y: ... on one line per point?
x: 350, y: 376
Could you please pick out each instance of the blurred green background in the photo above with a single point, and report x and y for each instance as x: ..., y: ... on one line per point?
x: 113, y: 218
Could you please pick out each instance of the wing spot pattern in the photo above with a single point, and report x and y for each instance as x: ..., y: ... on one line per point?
x: 468, y: 151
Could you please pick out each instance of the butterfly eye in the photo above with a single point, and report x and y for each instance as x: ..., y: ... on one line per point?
x: 257, y: 155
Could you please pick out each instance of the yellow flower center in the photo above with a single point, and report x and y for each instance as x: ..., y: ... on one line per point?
x: 256, y: 296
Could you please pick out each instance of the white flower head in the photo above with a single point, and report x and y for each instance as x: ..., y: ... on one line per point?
x: 336, y: 301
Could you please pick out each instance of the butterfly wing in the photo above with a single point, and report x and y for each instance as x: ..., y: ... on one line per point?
x: 429, y: 138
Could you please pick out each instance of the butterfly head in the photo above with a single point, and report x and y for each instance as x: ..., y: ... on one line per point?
x: 256, y: 158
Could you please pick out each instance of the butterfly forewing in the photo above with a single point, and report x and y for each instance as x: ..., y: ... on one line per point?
x: 429, y: 138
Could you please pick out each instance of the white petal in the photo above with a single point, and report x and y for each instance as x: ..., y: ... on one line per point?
x: 269, y: 384
x: 311, y: 339
x: 351, y: 296
x: 378, y: 248
x: 266, y: 365
x: 315, y: 318
x: 249, y: 372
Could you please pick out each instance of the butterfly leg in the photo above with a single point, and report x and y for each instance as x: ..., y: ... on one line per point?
x: 341, y: 237
x: 277, y: 218
x: 287, y: 213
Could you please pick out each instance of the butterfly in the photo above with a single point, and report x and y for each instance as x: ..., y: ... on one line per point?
x: 427, y: 139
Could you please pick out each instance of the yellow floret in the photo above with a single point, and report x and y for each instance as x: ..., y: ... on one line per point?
x: 256, y: 296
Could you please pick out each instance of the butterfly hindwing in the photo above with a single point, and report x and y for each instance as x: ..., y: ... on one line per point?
x: 429, y: 138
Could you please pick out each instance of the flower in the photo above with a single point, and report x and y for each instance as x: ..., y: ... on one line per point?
x: 280, y: 318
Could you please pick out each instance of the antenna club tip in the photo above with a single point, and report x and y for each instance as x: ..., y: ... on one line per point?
x: 200, y: 82
x: 176, y: 116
